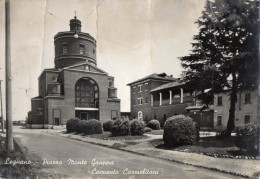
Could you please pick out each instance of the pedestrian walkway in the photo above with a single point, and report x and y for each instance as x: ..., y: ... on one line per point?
x: 241, y: 167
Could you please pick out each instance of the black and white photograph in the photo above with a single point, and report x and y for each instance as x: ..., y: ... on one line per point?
x: 129, y: 89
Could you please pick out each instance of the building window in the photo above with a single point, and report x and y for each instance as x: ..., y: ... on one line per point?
x: 87, y: 68
x: 81, y: 49
x: 146, y: 99
x: 140, y: 115
x: 248, y: 98
x: 219, y: 120
x: 186, y: 94
x: 134, y: 87
x: 176, y: 96
x: 64, y: 48
x: 94, y: 51
x: 140, y: 88
x: 219, y: 101
x: 155, y: 117
x: 247, y: 118
x: 114, y: 114
x: 134, y: 102
x: 146, y: 86
x: 86, y: 94
x: 140, y: 100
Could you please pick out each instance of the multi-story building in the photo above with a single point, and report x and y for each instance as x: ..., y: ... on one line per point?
x: 141, y: 98
x: 159, y: 96
x: 170, y: 99
x: 75, y: 87
x: 247, y: 108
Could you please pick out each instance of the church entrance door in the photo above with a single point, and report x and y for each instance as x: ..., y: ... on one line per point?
x: 83, y: 116
x: 86, y: 115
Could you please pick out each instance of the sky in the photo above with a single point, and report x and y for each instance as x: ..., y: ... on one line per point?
x: 134, y: 39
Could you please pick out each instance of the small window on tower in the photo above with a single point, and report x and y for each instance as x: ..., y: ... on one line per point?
x: 87, y: 68
x: 81, y: 49
x: 64, y: 48
x: 94, y: 51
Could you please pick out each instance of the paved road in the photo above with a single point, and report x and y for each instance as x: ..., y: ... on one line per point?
x: 58, y: 150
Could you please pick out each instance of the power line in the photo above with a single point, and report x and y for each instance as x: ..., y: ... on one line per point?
x: 48, y: 12
x: 93, y: 11
x: 120, y: 44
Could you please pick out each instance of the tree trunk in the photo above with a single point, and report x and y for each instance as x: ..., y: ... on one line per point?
x: 232, y: 109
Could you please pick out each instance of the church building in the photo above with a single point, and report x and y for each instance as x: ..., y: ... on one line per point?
x: 75, y: 87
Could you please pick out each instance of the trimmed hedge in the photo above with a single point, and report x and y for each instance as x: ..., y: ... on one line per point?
x: 179, y: 130
x: 81, y: 126
x: 89, y: 127
x: 71, y: 125
x: 107, y: 125
x: 246, y: 137
x: 154, y: 124
x: 147, y: 129
x: 137, y: 127
x: 120, y: 127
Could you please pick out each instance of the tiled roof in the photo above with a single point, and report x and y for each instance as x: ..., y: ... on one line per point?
x: 167, y: 85
x: 161, y: 76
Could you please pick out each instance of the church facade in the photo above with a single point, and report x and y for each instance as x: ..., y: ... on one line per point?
x: 75, y: 87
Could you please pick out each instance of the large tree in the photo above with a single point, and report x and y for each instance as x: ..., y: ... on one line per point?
x: 225, y: 51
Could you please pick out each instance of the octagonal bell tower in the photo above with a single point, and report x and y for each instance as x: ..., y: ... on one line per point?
x: 74, y: 47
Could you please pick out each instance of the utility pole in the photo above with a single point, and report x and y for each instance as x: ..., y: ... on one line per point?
x: 8, y: 76
x: 2, y: 115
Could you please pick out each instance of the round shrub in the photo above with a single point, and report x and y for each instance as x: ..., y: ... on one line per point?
x: 137, y: 127
x: 93, y: 126
x: 179, y: 130
x: 154, y: 124
x: 107, y: 125
x: 147, y: 129
x: 120, y: 127
x: 89, y: 127
x: 81, y: 125
x: 71, y: 125
x: 246, y: 137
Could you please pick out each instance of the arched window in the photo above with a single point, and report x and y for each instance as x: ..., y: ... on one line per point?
x: 140, y: 115
x: 86, y: 93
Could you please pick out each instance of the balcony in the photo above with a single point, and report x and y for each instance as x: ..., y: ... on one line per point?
x: 165, y: 102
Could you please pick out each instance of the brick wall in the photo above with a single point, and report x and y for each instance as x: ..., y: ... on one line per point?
x: 37, y: 111
x: 67, y: 105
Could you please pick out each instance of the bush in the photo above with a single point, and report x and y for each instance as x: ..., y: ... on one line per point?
x: 246, y: 137
x: 81, y: 126
x: 71, y: 125
x: 154, y: 124
x: 120, y: 127
x: 107, y: 125
x: 94, y: 126
x: 89, y: 127
x: 137, y: 127
x: 147, y: 129
x: 179, y: 130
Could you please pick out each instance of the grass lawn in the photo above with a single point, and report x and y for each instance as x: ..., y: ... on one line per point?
x: 107, y: 136
x: 208, y: 146
x: 14, y: 171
